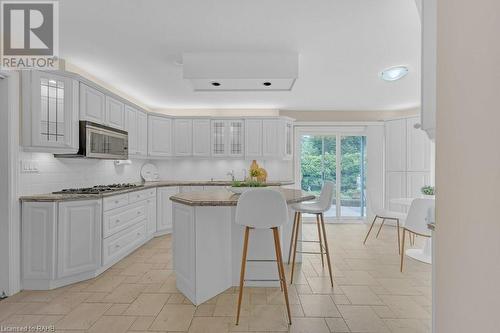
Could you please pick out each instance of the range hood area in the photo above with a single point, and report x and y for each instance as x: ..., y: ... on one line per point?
x: 241, y: 71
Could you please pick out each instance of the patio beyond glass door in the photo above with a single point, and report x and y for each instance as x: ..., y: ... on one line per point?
x: 337, y: 158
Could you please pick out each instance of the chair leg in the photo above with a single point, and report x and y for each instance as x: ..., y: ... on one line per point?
x: 320, y: 241
x: 403, y: 250
x: 242, y: 273
x: 281, y: 271
x: 280, y: 276
x: 379, y: 229
x: 326, y: 249
x: 293, y: 234
x: 399, y: 239
x: 370, y: 230
x: 299, y: 217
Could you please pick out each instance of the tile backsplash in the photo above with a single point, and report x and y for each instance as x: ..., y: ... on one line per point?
x: 58, y: 173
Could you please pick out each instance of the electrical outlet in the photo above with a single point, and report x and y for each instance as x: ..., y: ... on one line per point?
x: 29, y: 166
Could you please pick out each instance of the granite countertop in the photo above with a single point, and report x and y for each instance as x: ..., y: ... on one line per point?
x: 227, y: 198
x: 161, y: 183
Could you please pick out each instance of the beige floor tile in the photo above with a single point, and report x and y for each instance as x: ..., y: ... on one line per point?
x: 408, y: 325
x: 405, y: 307
x: 142, y: 323
x: 31, y: 320
x: 361, y: 295
x: 176, y: 298
x: 106, y: 283
x: 210, y: 325
x: 398, y: 286
x: 383, y: 311
x: 337, y: 325
x: 173, y: 317
x: 362, y: 319
x: 155, y: 276
x: 268, y: 318
x: 116, y: 309
x: 309, y: 325
x: 136, y: 269
x: 340, y: 299
x: 362, y: 278
x: 147, y: 305
x: 83, y: 316
x: 64, y: 303
x: 205, y: 310
x: 112, y: 324
x: 323, y: 285
x: 124, y: 293
x: 318, y: 306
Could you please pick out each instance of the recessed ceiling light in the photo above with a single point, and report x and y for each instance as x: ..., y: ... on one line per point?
x: 267, y: 83
x: 216, y: 84
x: 394, y: 73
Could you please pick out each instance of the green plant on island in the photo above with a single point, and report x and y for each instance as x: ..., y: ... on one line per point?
x: 248, y: 183
x: 427, y: 190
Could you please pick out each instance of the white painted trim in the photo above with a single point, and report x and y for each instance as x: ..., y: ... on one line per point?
x: 12, y: 182
x: 342, y: 124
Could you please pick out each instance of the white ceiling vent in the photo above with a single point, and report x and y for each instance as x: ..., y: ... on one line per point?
x: 241, y: 71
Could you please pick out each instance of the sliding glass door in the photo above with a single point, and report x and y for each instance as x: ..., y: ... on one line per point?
x: 338, y: 158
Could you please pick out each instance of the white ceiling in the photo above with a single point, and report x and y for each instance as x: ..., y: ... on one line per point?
x: 134, y: 45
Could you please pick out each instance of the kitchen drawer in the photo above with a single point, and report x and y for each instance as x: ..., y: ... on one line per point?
x: 123, y: 217
x: 115, y: 201
x: 141, y: 195
x: 120, y: 244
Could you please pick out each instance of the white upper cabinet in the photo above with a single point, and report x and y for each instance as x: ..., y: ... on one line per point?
x: 228, y: 138
x: 288, y: 139
x: 92, y: 104
x: 271, y: 138
x: 418, y: 147
x: 142, y: 134
x: 137, y: 124
x: 50, y: 112
x: 201, y: 137
x: 115, y: 113
x: 133, y: 135
x: 395, y: 145
x: 253, y: 137
x: 183, y: 137
x: 159, y: 136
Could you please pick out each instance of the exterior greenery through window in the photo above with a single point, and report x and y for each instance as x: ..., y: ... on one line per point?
x: 319, y: 163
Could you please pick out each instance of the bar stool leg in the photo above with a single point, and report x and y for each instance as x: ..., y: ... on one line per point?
x: 399, y: 239
x: 370, y: 230
x: 320, y: 241
x: 293, y: 234
x: 326, y: 248
x: 299, y: 217
x: 242, y: 273
x: 379, y: 229
x: 281, y: 270
x: 278, y: 264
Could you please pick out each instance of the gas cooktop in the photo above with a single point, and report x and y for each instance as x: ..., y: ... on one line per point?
x: 98, y: 189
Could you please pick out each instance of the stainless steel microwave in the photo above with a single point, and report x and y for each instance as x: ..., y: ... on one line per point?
x: 99, y: 141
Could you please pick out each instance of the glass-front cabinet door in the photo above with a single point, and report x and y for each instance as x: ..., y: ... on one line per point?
x: 236, y: 137
x: 218, y: 138
x: 228, y: 138
x: 54, y: 111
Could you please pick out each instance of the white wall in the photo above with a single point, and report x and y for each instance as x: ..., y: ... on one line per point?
x: 4, y: 188
x: 57, y: 173
x: 467, y: 238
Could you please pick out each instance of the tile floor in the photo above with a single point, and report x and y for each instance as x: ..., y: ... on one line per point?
x: 138, y: 294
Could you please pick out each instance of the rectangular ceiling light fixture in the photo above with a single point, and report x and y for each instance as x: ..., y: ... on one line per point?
x: 241, y: 71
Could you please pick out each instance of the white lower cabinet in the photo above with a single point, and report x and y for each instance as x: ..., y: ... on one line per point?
x: 164, y: 209
x: 79, y: 237
x: 61, y: 242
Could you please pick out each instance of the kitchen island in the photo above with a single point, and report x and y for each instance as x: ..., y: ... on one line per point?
x: 207, y: 244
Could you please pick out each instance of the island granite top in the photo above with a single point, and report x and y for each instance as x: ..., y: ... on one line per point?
x: 227, y: 198
x: 162, y: 183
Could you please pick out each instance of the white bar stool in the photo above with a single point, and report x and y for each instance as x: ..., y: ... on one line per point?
x: 416, y: 222
x: 323, y: 204
x: 262, y: 209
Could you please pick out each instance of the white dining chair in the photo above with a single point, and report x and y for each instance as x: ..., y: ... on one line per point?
x: 385, y: 214
x: 262, y: 209
x: 416, y: 222
x: 323, y: 204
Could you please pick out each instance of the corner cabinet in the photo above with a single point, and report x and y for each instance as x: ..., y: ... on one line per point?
x: 61, y: 242
x: 228, y: 138
x: 50, y: 112
x: 159, y: 136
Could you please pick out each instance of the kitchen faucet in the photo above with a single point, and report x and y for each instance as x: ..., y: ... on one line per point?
x: 231, y: 173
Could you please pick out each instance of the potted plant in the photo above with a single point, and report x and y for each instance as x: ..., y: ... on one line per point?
x: 239, y: 187
x: 428, y: 191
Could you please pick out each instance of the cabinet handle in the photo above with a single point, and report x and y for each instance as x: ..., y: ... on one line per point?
x: 139, y: 213
x: 117, y: 245
x: 116, y: 201
x: 138, y: 234
x: 117, y: 221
